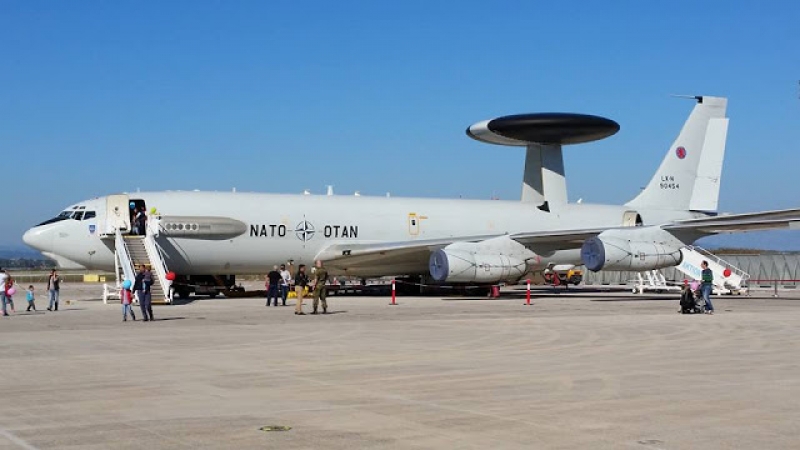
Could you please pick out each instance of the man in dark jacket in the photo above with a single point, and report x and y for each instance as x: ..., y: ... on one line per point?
x: 273, y: 285
x: 138, y: 288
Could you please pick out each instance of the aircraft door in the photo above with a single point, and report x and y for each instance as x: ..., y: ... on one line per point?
x: 413, y: 224
x: 632, y: 219
x: 117, y: 216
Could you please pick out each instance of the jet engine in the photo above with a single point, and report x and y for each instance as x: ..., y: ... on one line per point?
x: 490, y: 261
x: 639, y: 249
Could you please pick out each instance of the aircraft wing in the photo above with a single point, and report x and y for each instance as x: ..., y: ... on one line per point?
x: 557, y: 240
x: 408, y: 257
x: 770, y: 220
x: 411, y: 257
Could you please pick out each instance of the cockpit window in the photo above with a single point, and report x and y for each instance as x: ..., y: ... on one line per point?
x: 71, y: 214
x: 63, y: 216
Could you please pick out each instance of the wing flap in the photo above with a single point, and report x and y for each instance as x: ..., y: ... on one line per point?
x: 769, y: 220
x: 560, y: 240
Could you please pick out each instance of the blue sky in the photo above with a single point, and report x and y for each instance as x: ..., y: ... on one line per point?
x: 100, y: 97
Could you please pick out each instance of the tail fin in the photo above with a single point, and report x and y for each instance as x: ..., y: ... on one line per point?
x: 690, y: 174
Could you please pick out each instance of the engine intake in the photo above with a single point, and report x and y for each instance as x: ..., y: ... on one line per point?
x: 640, y: 248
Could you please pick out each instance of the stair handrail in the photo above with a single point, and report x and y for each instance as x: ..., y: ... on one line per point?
x: 156, y: 255
x: 123, y: 257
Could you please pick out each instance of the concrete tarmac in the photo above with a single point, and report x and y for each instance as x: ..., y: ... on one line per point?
x: 585, y: 370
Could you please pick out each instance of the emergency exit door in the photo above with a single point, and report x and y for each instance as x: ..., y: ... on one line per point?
x: 117, y: 216
x: 413, y: 224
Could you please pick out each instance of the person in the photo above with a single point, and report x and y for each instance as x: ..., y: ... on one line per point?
x: 146, y: 300
x: 707, y: 278
x: 300, y: 283
x: 140, y: 221
x: 697, y: 295
x: 31, y: 298
x: 3, y: 298
x: 53, y: 288
x: 126, y: 297
x: 687, y: 299
x: 320, y: 287
x: 286, y: 280
x: 7, y: 290
x: 139, y: 289
x: 273, y: 285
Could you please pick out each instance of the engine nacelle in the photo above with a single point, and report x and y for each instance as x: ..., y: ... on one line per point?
x: 639, y: 249
x: 490, y: 261
x: 459, y: 266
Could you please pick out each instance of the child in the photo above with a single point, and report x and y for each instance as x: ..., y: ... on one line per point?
x: 9, y: 288
x: 699, y: 303
x: 127, y: 298
x: 30, y: 297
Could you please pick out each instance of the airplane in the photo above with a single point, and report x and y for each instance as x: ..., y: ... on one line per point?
x: 440, y: 241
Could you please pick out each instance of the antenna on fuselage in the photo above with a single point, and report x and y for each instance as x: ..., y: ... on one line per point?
x: 330, y: 189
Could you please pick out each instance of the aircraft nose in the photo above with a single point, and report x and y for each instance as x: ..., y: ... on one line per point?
x: 38, y: 239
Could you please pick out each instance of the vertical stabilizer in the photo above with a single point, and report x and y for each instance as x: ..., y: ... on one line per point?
x: 689, y: 176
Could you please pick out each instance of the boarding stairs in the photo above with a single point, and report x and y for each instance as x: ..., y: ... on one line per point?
x: 728, y: 279
x: 131, y: 251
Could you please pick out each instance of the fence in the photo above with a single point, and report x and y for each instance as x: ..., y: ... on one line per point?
x: 40, y: 277
x: 765, y: 270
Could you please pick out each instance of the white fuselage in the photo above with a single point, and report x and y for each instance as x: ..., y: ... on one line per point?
x: 299, y: 227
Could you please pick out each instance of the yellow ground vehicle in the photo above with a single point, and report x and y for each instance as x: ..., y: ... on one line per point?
x: 563, y: 275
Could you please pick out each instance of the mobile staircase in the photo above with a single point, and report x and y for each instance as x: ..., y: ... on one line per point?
x: 728, y: 279
x: 130, y: 251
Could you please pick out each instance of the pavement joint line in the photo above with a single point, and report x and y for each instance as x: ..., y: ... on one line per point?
x: 16, y: 440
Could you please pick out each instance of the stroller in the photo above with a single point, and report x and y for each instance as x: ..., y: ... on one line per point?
x: 691, y: 300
